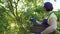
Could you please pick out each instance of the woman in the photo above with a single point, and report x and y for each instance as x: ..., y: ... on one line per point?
x: 51, y: 20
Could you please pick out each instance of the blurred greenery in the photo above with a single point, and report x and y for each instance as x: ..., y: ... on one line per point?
x: 15, y: 15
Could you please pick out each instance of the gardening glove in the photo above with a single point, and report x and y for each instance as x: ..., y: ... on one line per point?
x: 38, y: 33
x: 33, y: 20
x: 45, y: 22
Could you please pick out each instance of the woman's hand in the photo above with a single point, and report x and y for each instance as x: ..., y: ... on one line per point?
x: 33, y: 20
x: 38, y: 33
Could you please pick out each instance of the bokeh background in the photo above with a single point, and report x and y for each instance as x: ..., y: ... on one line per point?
x: 15, y: 15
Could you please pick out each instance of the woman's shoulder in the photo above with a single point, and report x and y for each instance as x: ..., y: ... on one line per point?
x: 53, y: 16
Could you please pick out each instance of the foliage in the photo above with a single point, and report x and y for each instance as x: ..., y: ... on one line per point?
x: 15, y: 15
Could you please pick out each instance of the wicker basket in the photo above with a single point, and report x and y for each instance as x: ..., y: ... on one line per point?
x: 39, y: 28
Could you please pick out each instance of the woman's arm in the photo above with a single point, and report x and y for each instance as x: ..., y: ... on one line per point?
x: 35, y: 21
x: 52, y: 27
x: 38, y: 22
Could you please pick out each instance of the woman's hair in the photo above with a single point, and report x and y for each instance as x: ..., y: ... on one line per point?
x: 48, y: 6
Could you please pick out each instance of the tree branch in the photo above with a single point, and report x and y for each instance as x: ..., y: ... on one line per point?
x: 11, y: 7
